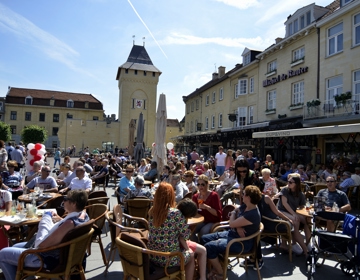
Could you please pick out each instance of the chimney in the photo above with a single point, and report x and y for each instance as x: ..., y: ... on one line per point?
x: 113, y: 117
x: 215, y: 76
x: 221, y: 71
x: 278, y: 40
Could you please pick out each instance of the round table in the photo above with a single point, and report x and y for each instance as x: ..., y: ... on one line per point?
x: 195, y: 220
x: 47, y: 196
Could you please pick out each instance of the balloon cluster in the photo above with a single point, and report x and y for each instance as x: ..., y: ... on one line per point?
x: 36, y: 152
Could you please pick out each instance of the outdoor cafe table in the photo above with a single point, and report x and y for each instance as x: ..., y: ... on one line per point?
x: 192, y: 222
x: 16, y: 221
x: 46, y: 196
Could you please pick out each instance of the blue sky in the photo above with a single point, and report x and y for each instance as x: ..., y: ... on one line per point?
x: 77, y: 46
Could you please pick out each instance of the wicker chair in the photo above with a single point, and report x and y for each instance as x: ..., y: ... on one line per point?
x: 284, y: 235
x: 72, y: 252
x: 138, y: 207
x: 229, y: 257
x: 115, y: 219
x: 97, y: 212
x: 135, y: 260
x: 96, y: 194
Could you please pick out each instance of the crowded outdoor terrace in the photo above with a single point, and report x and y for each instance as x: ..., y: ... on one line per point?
x: 197, y: 206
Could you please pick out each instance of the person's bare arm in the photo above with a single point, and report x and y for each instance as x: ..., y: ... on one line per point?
x: 57, y: 235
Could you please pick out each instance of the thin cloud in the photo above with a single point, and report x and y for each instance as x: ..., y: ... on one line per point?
x: 183, y: 39
x: 240, y: 4
x: 31, y: 35
x: 147, y: 28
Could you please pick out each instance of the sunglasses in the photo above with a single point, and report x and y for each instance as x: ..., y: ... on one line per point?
x: 129, y: 171
x: 202, y: 184
x: 45, y: 170
x: 291, y: 182
x: 242, y: 171
x: 330, y: 181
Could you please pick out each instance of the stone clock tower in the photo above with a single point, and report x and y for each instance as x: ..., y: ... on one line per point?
x: 138, y: 79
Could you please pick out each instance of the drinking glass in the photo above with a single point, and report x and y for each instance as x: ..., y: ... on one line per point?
x: 41, y: 190
x: 200, y: 201
x: 37, y: 189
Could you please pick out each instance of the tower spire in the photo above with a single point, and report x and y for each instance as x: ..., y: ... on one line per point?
x: 133, y: 40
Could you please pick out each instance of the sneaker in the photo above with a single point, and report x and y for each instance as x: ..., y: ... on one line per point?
x: 297, y: 249
x: 249, y: 263
x: 309, y: 248
x: 260, y: 263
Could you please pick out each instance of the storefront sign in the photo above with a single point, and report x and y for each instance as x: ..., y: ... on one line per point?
x: 282, y: 77
x: 278, y: 134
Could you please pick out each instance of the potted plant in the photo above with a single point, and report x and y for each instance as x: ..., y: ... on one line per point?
x: 342, y: 98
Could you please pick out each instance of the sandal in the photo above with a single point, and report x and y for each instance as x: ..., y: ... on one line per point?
x: 210, y: 275
x: 217, y: 277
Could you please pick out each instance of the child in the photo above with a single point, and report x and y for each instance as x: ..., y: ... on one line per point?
x: 189, y: 209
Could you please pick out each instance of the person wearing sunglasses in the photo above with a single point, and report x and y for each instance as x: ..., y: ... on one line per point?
x: 49, y: 234
x: 189, y: 181
x: 292, y: 198
x: 209, y: 206
x: 228, y: 179
x: 45, y: 180
x: 126, y: 183
x: 333, y: 195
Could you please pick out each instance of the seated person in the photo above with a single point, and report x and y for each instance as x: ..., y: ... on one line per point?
x: 66, y: 181
x: 139, y: 190
x: 243, y: 222
x: 65, y: 172
x: 5, y: 204
x: 12, y: 181
x: 100, y: 177
x: 35, y: 172
x: 301, y: 171
x: 333, y: 195
x: 80, y: 182
x: 165, y: 176
x: 189, y: 181
x: 269, y: 183
x: 126, y: 183
x: 179, y: 187
x: 45, y: 181
x: 49, y: 234
x: 228, y: 180
x: 152, y: 174
x: 114, y: 168
x: 347, y: 182
x: 88, y: 167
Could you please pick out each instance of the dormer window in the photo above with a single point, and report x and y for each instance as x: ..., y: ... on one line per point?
x: 246, y: 59
x: 28, y: 100
x: 70, y: 104
x: 345, y: 2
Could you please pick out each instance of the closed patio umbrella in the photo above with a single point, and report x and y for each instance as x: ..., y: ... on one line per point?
x: 139, y: 148
x: 159, y: 154
x: 132, y: 126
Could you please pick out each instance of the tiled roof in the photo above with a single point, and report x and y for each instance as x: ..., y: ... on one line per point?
x: 172, y: 122
x: 333, y: 6
x: 48, y: 94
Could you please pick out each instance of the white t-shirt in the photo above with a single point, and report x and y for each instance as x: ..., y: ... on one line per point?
x: 220, y: 159
x: 5, y: 196
x: 83, y: 184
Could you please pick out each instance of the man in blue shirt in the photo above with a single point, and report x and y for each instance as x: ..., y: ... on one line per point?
x: 151, y: 175
x: 288, y: 171
x: 348, y: 182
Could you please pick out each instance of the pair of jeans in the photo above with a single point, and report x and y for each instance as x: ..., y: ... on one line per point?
x: 56, y: 160
x: 215, y: 243
x: 9, y: 258
x: 220, y: 170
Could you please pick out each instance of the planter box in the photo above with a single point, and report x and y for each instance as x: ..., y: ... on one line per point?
x: 270, y: 112
x: 297, y: 62
x: 296, y: 107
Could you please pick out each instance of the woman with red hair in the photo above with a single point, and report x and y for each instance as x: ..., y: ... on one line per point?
x: 166, y: 226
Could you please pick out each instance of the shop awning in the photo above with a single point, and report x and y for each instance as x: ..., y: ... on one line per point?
x: 334, y: 129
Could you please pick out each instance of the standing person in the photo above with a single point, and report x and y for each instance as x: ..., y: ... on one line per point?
x: 220, y: 161
x: 18, y: 156
x: 57, y: 157
x: 194, y: 156
x: 229, y: 161
x: 9, y: 149
x: 166, y: 226
x: 209, y: 206
x: 3, y: 157
x: 251, y: 160
x: 49, y: 234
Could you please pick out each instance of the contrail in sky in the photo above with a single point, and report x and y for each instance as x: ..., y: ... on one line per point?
x: 147, y: 28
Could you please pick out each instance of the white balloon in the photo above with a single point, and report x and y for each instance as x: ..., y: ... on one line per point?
x: 30, y: 146
x: 169, y: 145
x: 41, y: 152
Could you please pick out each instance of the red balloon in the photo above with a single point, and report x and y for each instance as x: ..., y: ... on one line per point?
x: 38, y: 146
x: 33, y: 152
x: 32, y: 162
x: 37, y: 157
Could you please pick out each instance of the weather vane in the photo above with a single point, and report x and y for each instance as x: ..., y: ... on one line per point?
x: 133, y: 39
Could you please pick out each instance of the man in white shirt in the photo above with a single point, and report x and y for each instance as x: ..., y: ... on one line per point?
x: 66, y: 182
x: 180, y: 188
x: 220, y: 161
x: 80, y: 182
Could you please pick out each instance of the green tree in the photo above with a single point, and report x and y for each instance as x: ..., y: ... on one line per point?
x: 33, y: 134
x: 5, y: 132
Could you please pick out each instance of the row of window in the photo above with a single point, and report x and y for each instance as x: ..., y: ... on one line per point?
x: 296, y: 55
x: 54, y: 132
x: 136, y: 72
x: 56, y: 117
x: 29, y: 101
x: 206, y: 124
x: 195, y: 105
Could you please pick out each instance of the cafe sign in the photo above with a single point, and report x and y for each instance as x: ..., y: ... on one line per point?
x: 282, y: 77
